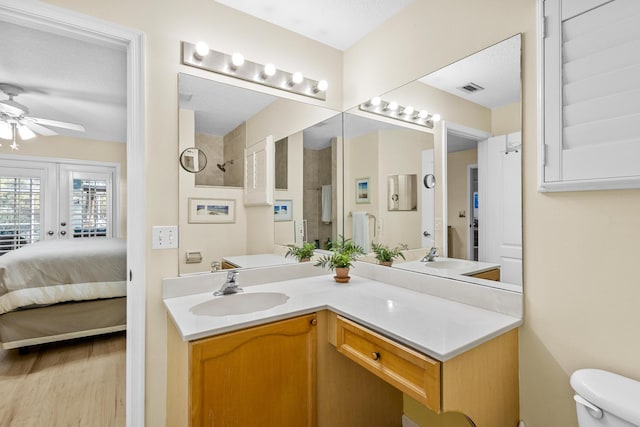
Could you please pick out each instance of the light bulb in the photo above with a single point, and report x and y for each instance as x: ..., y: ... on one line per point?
x: 5, y: 130
x: 392, y: 106
x: 202, y: 50
x: 423, y: 114
x: 375, y: 101
x: 321, y: 86
x: 269, y: 70
x: 296, y: 78
x: 407, y: 110
x: 25, y: 133
x: 435, y: 118
x: 237, y: 59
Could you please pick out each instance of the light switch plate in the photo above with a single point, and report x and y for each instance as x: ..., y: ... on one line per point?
x: 164, y: 237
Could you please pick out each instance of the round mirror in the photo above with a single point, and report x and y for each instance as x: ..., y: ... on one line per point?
x: 429, y: 180
x: 193, y: 160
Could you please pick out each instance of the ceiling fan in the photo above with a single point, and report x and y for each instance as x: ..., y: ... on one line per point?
x: 14, y: 118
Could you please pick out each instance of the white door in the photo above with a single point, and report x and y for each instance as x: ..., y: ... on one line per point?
x: 428, y: 202
x: 500, y: 208
x: 86, y: 201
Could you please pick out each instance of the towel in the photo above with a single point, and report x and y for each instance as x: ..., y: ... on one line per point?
x: 361, y: 230
x: 326, y: 204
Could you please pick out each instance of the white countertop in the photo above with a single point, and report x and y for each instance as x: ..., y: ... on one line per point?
x: 438, y: 327
x: 447, y: 267
x: 260, y: 260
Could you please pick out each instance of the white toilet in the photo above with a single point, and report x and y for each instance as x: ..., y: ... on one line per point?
x: 605, y: 399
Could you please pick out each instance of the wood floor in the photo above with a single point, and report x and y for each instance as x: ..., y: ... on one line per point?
x: 74, y: 383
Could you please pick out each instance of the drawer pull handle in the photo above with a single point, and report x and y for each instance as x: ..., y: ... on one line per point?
x: 375, y: 355
x: 313, y: 322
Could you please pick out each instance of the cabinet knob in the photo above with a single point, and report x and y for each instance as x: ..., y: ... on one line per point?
x: 375, y: 355
x: 313, y: 322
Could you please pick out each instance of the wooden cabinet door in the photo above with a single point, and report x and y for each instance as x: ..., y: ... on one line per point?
x: 262, y: 376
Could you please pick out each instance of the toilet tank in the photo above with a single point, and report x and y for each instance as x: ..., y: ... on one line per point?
x: 606, y: 399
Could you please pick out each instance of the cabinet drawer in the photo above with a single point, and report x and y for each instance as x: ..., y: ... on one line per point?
x: 493, y: 274
x: 409, y: 371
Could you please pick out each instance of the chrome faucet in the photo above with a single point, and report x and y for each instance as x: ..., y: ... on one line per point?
x: 230, y: 286
x: 431, y: 255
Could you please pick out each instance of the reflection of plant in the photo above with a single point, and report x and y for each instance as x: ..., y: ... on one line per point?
x: 344, y: 253
x: 301, y: 252
x: 384, y: 253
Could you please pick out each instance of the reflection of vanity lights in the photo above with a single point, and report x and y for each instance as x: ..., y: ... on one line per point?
x: 394, y: 111
x: 200, y: 56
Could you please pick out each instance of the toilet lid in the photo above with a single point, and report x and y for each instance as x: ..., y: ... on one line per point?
x: 611, y: 392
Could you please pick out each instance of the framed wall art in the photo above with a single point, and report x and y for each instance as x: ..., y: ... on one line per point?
x: 283, y: 210
x: 212, y: 211
x: 362, y: 190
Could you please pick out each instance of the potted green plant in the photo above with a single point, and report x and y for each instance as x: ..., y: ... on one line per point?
x: 301, y: 253
x: 386, y: 255
x: 343, y: 253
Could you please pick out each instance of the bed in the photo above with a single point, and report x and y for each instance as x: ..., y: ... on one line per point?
x: 61, y: 289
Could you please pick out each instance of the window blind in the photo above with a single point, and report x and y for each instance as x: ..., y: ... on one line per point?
x: 601, y: 65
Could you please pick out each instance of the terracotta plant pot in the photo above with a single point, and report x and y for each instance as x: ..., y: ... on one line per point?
x: 342, y: 275
x: 305, y: 259
x: 386, y: 263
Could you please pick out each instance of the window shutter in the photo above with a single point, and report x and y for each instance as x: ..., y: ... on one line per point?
x: 592, y: 92
x: 19, y: 211
x: 90, y: 208
x: 259, y: 170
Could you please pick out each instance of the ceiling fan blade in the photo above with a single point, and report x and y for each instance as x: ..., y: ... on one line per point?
x: 8, y: 108
x: 39, y: 129
x: 57, y: 124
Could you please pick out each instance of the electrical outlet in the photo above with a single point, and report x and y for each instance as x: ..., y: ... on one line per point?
x: 164, y: 237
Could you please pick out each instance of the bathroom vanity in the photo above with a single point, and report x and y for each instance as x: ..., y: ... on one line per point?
x: 298, y: 359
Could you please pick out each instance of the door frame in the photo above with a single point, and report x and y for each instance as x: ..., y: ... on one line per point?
x: 57, y: 20
x: 470, y: 233
x: 467, y: 132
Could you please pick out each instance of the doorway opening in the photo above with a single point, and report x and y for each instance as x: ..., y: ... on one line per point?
x: 58, y: 21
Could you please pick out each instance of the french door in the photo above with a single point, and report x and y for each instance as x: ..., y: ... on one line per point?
x: 44, y: 200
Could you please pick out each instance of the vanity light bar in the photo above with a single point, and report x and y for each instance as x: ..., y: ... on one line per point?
x: 398, y: 112
x: 200, y: 56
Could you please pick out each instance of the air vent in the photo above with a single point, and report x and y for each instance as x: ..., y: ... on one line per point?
x: 471, y: 88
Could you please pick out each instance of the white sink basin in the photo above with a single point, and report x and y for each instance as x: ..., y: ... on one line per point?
x: 444, y: 264
x: 242, y: 303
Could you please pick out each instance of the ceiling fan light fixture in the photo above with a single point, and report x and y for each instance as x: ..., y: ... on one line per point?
x: 25, y: 133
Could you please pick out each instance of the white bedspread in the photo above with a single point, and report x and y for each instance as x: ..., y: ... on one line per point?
x: 55, y: 271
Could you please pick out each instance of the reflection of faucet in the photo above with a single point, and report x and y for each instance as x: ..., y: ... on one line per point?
x: 431, y: 255
x: 230, y: 286
x: 403, y: 246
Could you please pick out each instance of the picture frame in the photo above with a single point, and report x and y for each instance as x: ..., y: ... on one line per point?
x: 283, y: 210
x: 363, y: 190
x: 212, y: 211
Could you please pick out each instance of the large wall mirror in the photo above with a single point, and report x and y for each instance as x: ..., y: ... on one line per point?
x: 220, y: 121
x: 468, y: 170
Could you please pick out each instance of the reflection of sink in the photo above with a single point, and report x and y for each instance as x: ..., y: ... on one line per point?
x: 239, y: 304
x: 444, y: 264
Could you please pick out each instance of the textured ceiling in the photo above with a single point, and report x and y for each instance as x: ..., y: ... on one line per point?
x: 66, y: 79
x: 337, y: 23
x: 496, y: 69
